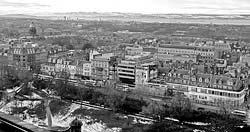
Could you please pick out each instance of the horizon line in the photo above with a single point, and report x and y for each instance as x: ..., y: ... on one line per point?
x: 39, y: 13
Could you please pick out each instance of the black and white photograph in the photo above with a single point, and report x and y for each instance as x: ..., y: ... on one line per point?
x: 124, y: 65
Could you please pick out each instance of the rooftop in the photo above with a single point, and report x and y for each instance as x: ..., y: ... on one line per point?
x: 177, y: 46
x: 134, y: 57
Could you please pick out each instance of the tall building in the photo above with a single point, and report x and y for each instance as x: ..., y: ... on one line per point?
x: 127, y: 68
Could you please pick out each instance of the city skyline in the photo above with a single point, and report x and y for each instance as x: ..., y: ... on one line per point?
x: 128, y: 6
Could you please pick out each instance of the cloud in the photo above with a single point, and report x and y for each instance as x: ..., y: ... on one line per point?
x: 4, y: 3
x: 137, y: 6
x: 211, y: 6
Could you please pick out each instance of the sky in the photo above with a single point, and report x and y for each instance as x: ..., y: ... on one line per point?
x: 127, y: 6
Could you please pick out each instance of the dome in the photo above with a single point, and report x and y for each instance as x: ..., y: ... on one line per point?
x: 76, y: 122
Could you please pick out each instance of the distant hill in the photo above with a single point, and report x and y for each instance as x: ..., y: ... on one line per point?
x: 19, y: 16
x: 236, y: 19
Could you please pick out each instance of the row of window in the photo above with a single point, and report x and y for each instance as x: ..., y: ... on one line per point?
x: 100, y: 64
x: 185, y: 51
x: 121, y: 74
x: 119, y: 70
x: 213, y: 92
x: 217, y: 104
x: 206, y: 80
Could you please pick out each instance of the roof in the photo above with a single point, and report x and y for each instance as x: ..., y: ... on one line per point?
x: 178, y: 47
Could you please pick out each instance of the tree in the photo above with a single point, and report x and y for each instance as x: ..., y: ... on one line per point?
x: 180, y: 107
x: 154, y: 109
x: 70, y: 46
x: 88, y: 46
x: 62, y: 41
x: 62, y: 84
x: 166, y: 126
x: 114, y: 101
x: 10, y: 32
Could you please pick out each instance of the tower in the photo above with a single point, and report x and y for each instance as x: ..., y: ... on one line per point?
x: 32, y: 29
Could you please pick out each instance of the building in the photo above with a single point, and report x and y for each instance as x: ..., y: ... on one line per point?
x: 126, y: 71
x: 206, y: 91
x: 103, y: 65
x: 164, y: 58
x: 245, y: 59
x: 48, y: 69
x: 25, y: 56
x: 67, y: 65
x: 127, y: 68
x: 3, y: 65
x: 83, y: 69
x: 177, y: 49
x: 145, y: 73
x: 205, y: 53
x: 135, y: 50
x: 100, y: 68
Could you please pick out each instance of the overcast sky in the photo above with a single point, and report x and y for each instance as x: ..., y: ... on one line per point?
x: 132, y: 6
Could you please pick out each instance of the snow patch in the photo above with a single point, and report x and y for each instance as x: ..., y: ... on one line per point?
x: 89, y: 125
x: 198, y: 123
x: 135, y: 121
x: 33, y: 96
x: 172, y: 119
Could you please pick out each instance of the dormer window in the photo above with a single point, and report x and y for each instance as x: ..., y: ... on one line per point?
x: 220, y: 82
x: 174, y: 75
x: 179, y: 75
x: 169, y: 74
x: 229, y: 83
x: 200, y: 79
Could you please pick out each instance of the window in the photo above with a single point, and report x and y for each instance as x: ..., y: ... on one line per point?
x: 193, y: 89
x: 203, y: 91
x: 200, y: 79
x: 209, y: 92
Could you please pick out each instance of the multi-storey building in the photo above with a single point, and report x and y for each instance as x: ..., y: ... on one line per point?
x: 83, y: 69
x: 126, y: 71
x: 25, y: 56
x: 145, y: 73
x: 103, y: 65
x: 48, y: 68
x: 164, y: 58
x: 207, y: 91
x: 135, y: 50
x: 3, y: 65
x: 127, y: 68
x: 206, y: 54
x: 100, y: 68
x: 245, y: 59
